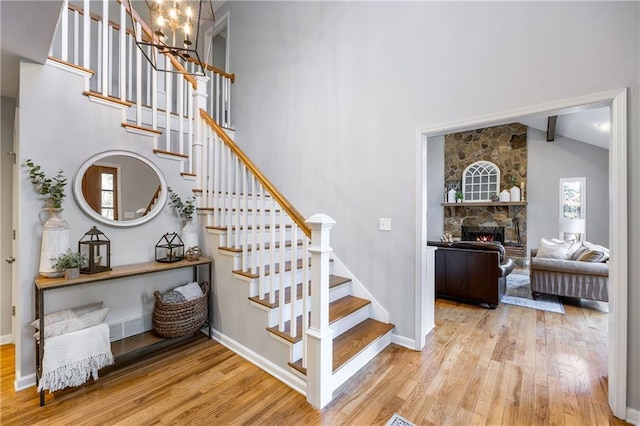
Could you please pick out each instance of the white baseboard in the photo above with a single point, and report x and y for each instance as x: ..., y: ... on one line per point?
x: 5, y: 340
x: 633, y: 416
x: 25, y: 382
x: 286, y: 377
x: 403, y: 341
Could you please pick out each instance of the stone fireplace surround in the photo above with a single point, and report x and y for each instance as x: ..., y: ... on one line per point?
x: 506, y: 146
x: 483, y: 233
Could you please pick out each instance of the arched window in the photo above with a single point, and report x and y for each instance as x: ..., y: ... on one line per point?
x: 480, y: 181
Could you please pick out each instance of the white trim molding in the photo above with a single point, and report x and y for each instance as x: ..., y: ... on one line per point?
x: 618, y: 221
x: 6, y: 339
x: 633, y: 416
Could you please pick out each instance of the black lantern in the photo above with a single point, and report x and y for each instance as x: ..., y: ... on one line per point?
x: 97, y: 248
x: 170, y: 248
x: 173, y: 29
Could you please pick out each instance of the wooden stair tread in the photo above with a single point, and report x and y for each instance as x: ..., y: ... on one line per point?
x: 337, y: 310
x: 267, y: 269
x: 336, y: 280
x: 267, y: 246
x: 172, y: 154
x: 352, y: 342
x: 142, y: 128
x: 91, y: 93
x: 250, y: 210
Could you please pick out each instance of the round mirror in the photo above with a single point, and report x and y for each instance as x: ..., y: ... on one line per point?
x: 120, y: 188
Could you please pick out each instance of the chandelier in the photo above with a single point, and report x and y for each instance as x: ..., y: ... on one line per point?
x: 173, y: 29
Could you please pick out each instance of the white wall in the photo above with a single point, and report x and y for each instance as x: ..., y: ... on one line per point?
x: 332, y: 94
x: 61, y: 128
x: 7, y: 113
x: 550, y: 161
x: 435, y: 187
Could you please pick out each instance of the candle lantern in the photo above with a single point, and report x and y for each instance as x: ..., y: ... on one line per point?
x: 97, y: 248
x: 170, y: 248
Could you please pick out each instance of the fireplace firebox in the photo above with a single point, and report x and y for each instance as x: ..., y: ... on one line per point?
x: 483, y: 233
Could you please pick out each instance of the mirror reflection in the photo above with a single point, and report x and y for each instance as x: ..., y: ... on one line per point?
x: 120, y: 188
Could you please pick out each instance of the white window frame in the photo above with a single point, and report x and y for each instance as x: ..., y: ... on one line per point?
x: 583, y: 200
x: 469, y: 189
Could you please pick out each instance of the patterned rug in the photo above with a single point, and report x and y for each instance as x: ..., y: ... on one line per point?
x: 397, y: 420
x: 519, y: 294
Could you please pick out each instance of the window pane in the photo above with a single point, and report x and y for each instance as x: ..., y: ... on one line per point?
x: 107, y: 181
x: 108, y: 213
x: 571, y: 196
x: 107, y: 199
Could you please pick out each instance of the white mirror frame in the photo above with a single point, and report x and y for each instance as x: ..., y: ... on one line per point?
x: 84, y: 206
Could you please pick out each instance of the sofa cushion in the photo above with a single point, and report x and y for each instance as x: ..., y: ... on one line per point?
x: 549, y: 250
x: 591, y: 255
x: 569, y: 266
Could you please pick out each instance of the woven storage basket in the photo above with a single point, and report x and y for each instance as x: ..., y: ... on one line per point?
x: 180, y: 319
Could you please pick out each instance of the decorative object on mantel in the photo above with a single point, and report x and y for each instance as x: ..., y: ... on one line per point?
x: 97, y: 248
x: 169, y: 248
x: 55, y: 231
x: 70, y: 264
x: 451, y: 196
x: 459, y: 196
x: 505, y: 196
x: 495, y: 198
x: 514, y: 191
x: 522, y: 191
x: 185, y: 210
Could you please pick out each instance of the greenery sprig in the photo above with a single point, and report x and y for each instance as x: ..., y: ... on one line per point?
x: 51, y: 188
x: 185, y: 209
x: 69, y: 260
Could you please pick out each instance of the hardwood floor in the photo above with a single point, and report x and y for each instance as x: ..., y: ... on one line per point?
x: 509, y: 366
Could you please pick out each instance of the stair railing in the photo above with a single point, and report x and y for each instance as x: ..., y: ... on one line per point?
x: 162, y: 101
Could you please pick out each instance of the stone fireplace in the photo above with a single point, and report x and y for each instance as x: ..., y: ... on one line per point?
x: 506, y: 147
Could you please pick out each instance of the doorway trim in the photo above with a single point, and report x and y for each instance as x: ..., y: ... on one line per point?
x: 618, y: 224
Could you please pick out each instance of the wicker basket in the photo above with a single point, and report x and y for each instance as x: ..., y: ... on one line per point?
x: 180, y: 319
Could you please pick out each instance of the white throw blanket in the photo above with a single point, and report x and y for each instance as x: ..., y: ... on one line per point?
x: 71, y: 359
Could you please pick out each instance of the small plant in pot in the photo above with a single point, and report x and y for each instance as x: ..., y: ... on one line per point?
x: 184, y: 209
x: 459, y: 196
x: 51, y: 188
x: 70, y: 263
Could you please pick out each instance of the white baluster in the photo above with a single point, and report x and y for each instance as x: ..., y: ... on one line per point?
x: 272, y: 255
x: 263, y: 238
x: 130, y: 68
x: 292, y: 281
x: 245, y: 231
x: 229, y: 200
x: 282, y: 263
x: 305, y: 297
x: 217, y: 107
x: 229, y: 123
x: 254, y: 223
x: 111, y: 60
x: 64, y: 31
x: 168, y: 85
x: 138, y: 79
x: 76, y: 37
x: 191, y: 116
x: 86, y: 38
x: 215, y: 171
x: 122, y: 82
x: 180, y: 105
x: 105, y: 48
x: 99, y: 74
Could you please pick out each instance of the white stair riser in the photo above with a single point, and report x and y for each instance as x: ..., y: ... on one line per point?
x: 340, y: 291
x: 264, y: 236
x: 250, y: 262
x: 273, y: 315
x: 245, y: 202
x: 360, y: 360
x: 350, y: 321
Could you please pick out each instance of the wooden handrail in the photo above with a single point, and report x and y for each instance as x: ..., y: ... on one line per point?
x: 147, y: 30
x: 231, y: 77
x: 270, y: 187
x: 153, y: 200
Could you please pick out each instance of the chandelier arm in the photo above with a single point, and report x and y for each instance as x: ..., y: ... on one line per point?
x: 149, y: 32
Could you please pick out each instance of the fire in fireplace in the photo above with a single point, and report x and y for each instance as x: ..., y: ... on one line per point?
x: 483, y: 233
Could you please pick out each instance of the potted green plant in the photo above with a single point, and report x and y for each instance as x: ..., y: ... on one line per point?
x: 69, y: 262
x: 459, y: 196
x: 52, y: 188
x: 185, y: 210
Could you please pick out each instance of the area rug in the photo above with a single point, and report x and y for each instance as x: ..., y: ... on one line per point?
x: 397, y: 420
x: 519, y: 294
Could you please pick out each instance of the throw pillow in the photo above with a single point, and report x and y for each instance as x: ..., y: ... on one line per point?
x: 86, y: 320
x: 550, y: 250
x: 576, y: 250
x: 66, y: 314
x: 593, y: 256
x: 173, y: 296
x: 190, y: 291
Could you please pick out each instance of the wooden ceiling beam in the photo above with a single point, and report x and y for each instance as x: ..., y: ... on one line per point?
x: 551, y: 128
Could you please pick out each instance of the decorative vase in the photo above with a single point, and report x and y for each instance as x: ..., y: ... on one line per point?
x: 451, y: 196
x: 55, y: 241
x: 505, y: 196
x: 189, y: 234
x: 515, y: 194
x: 72, y: 273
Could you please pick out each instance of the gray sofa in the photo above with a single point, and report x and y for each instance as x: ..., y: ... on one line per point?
x: 572, y: 278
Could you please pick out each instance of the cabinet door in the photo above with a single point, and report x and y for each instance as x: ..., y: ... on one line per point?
x: 481, y: 277
x: 441, y: 273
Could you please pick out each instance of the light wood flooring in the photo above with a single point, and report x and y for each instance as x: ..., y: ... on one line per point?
x: 509, y: 366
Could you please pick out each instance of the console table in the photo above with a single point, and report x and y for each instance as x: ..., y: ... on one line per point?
x: 132, y: 346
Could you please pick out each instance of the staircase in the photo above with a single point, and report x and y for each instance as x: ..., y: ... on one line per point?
x: 282, y: 299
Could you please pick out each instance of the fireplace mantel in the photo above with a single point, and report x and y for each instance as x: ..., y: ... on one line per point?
x: 485, y: 204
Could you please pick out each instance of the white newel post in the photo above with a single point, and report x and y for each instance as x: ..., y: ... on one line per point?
x: 319, y: 336
x: 197, y: 162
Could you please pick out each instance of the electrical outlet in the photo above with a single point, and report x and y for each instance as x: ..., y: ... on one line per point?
x: 385, y: 224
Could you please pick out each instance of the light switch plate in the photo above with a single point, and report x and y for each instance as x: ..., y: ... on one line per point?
x: 385, y: 224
